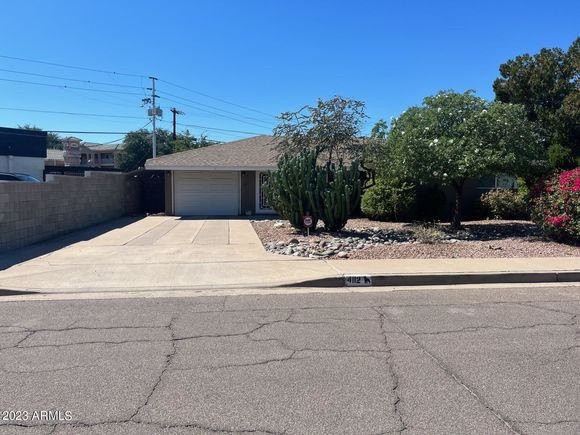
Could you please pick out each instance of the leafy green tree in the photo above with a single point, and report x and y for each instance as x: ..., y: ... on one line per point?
x: 54, y: 140
x: 332, y: 126
x: 548, y: 85
x: 186, y: 141
x: 453, y: 137
x: 138, y: 147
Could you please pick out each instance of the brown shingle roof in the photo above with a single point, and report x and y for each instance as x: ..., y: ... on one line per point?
x: 253, y: 153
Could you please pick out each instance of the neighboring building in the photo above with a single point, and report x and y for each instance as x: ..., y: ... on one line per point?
x: 88, y: 154
x: 218, y: 180
x: 23, y: 151
x: 100, y: 155
x: 54, y: 157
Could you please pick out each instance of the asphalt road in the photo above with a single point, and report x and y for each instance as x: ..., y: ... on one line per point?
x: 491, y: 361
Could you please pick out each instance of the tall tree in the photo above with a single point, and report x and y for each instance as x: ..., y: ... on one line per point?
x: 453, y: 137
x: 137, y: 146
x: 331, y: 126
x: 54, y: 140
x: 186, y: 141
x: 548, y: 85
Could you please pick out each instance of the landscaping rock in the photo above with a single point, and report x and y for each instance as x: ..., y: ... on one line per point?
x: 363, y: 239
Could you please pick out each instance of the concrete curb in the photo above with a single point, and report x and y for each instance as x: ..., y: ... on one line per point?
x: 346, y: 281
x: 399, y: 280
x: 8, y: 292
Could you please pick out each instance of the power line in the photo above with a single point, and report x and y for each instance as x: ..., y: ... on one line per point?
x: 112, y: 141
x: 216, y: 98
x: 216, y: 129
x: 72, y: 66
x: 71, y: 79
x: 215, y: 113
x: 215, y: 108
x: 60, y: 131
x: 120, y: 116
x: 87, y: 132
x: 141, y: 76
x: 70, y: 113
x: 70, y: 87
x: 95, y: 132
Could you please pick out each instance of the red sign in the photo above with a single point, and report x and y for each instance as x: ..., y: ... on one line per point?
x: 308, y: 221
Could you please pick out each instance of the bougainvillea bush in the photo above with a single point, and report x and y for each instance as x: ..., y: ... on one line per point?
x: 557, y: 205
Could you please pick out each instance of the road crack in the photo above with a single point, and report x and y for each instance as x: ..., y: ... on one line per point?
x: 482, y: 328
x: 392, y: 372
x: 509, y: 424
x: 168, y: 357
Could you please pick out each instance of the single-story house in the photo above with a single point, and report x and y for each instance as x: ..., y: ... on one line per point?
x: 218, y: 180
x: 227, y: 179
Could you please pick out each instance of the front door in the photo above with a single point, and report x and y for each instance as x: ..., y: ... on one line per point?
x: 262, y: 205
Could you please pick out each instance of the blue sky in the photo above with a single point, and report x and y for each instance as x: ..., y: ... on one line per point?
x: 270, y: 56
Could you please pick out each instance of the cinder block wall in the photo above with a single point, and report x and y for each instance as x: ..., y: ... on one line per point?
x: 32, y: 212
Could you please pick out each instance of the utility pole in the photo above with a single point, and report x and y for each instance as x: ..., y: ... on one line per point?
x: 175, y: 113
x: 154, y: 112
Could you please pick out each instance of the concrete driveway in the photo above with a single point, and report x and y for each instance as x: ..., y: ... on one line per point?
x: 155, y: 252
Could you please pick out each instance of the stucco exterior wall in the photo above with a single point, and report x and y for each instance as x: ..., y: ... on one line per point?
x: 32, y: 212
x: 23, y: 165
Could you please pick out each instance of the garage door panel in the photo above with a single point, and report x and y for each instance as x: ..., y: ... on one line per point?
x: 206, y: 193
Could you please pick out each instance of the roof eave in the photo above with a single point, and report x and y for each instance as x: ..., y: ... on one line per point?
x: 153, y: 167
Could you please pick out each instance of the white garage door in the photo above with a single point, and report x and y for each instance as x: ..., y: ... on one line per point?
x: 206, y: 193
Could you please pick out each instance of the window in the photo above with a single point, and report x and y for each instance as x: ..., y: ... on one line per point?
x: 499, y: 181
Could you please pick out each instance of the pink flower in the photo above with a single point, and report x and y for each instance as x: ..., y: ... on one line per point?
x: 570, y: 180
x: 558, y: 221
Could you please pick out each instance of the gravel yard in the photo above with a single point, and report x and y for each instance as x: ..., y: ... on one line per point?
x: 366, y: 239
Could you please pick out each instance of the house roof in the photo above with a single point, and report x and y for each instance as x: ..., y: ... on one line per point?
x: 102, y: 147
x: 254, y: 153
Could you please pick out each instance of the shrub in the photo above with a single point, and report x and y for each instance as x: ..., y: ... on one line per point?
x: 388, y: 201
x: 504, y: 204
x: 428, y: 233
x: 556, y: 208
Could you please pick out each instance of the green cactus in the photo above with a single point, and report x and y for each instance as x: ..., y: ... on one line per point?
x: 329, y: 193
x: 341, y: 196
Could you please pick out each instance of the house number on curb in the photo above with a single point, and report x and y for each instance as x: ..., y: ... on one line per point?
x: 358, y: 281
